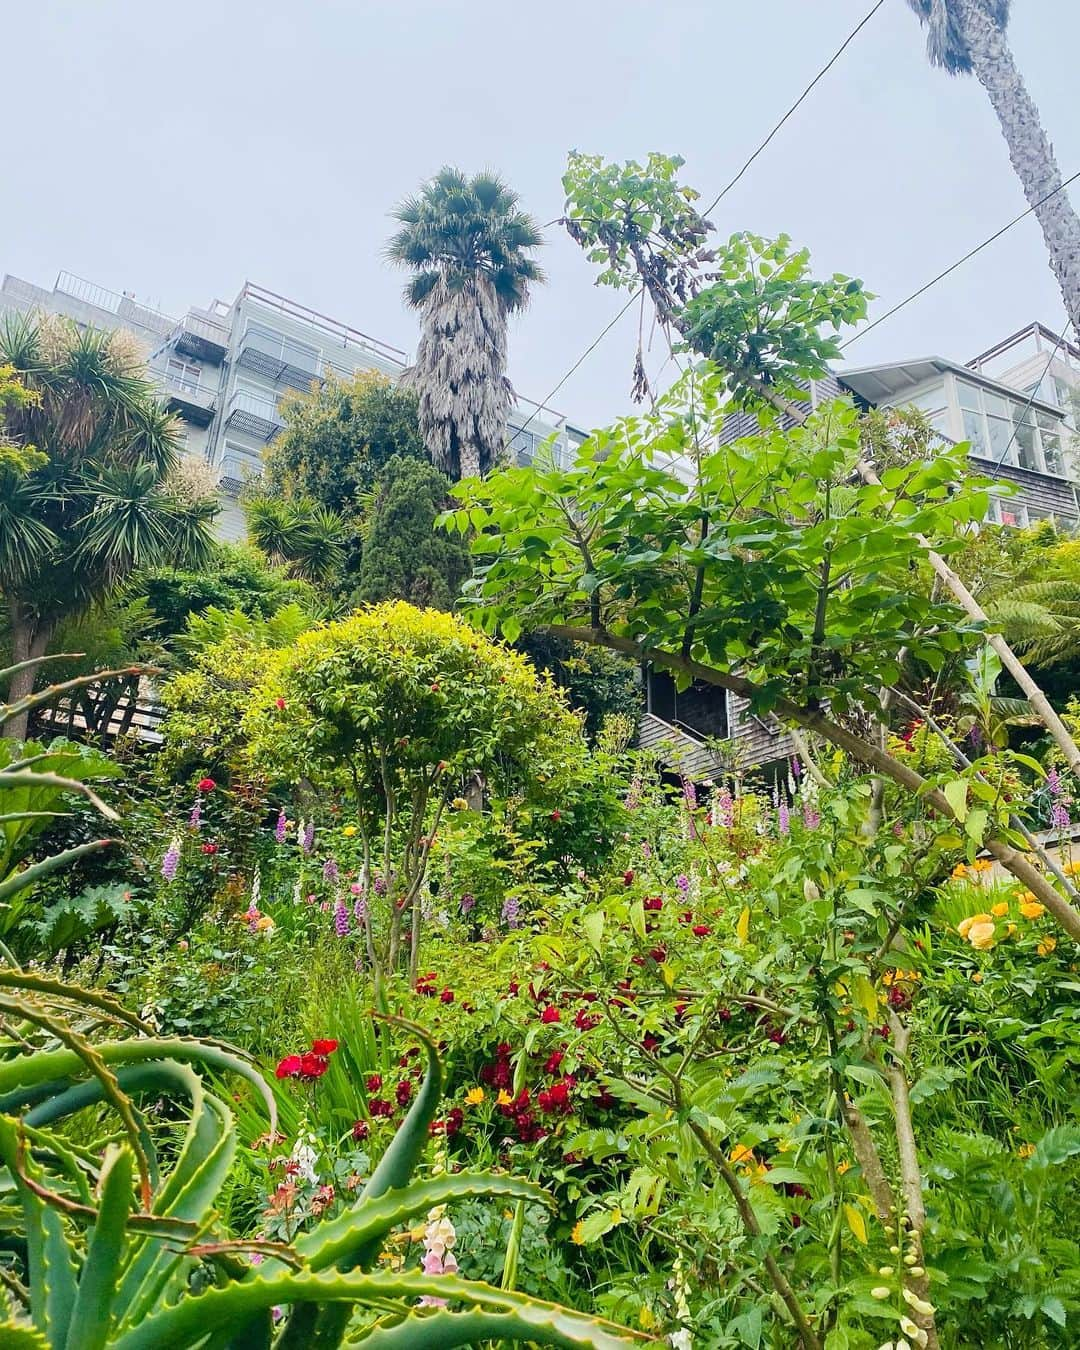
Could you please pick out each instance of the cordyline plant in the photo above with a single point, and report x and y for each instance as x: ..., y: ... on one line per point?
x: 752, y: 309
x: 776, y: 573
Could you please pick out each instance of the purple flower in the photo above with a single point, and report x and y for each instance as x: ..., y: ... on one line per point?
x: 379, y: 885
x: 171, y: 860
x: 195, y: 819
x: 1059, y: 816
x: 468, y: 903
x: 683, y: 883
x: 307, y: 842
x: 279, y: 828
x: 796, y: 768
x: 360, y: 911
x: 689, y: 792
x: 725, y: 809
x: 783, y: 816
x: 1053, y: 782
x: 510, y: 911
x: 341, y: 920
x: 811, y: 816
x: 330, y: 871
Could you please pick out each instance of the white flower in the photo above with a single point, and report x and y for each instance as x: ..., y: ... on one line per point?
x: 880, y: 1291
x: 919, y: 1304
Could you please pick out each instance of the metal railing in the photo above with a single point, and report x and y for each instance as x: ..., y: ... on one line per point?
x: 342, y: 333
x: 206, y: 329
x: 90, y: 293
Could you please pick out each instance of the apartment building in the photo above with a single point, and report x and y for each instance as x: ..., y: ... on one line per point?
x: 225, y: 368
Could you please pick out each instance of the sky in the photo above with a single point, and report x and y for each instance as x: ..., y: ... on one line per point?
x: 177, y: 150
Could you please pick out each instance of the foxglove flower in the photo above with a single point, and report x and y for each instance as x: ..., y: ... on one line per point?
x: 510, y: 912
x: 683, y: 883
x: 330, y: 872
x: 811, y: 816
x: 279, y: 828
x: 195, y: 819
x: 468, y: 903
x: 307, y: 841
x: 783, y: 817
x: 171, y: 860
x: 360, y: 910
x: 725, y: 809
x: 341, y: 920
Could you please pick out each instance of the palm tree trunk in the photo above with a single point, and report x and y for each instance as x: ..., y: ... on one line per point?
x: 1030, y: 150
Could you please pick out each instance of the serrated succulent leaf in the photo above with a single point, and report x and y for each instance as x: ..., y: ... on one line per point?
x: 92, y: 1314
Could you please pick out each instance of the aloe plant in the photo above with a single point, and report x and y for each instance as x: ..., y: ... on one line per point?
x: 124, y: 1254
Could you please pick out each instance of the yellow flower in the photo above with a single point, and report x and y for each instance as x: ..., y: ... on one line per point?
x: 474, y: 1096
x: 1011, y: 929
x: 646, y: 1318
x: 1046, y: 946
x: 1071, y: 869
x: 1031, y: 909
x: 999, y: 911
x: 1027, y: 897
x: 982, y: 865
x: 577, y: 1233
x: 740, y: 1154
x: 959, y: 872
x: 460, y: 804
x: 349, y: 831
x: 264, y: 924
x: 966, y: 925
x: 504, y: 1098
x: 976, y: 976
x: 981, y: 936
x: 843, y: 1166
x: 1025, y: 1150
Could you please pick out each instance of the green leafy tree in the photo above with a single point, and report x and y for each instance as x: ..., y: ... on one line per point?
x: 598, y: 683
x: 396, y: 708
x: 337, y: 439
x: 968, y: 37
x: 404, y: 556
x: 300, y: 535
x: 100, y: 505
x: 469, y: 248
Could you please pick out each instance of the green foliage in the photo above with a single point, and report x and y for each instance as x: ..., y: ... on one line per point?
x: 298, y: 534
x: 337, y: 440
x: 598, y: 683
x: 404, y: 556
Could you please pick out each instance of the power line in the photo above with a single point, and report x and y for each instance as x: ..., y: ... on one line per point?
x: 959, y: 262
x: 797, y: 104
x: 721, y: 194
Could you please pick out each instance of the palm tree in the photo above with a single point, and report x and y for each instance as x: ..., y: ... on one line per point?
x: 468, y: 245
x: 965, y: 36
x: 300, y: 535
x: 94, y: 499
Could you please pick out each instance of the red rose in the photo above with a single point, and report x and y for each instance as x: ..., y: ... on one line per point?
x: 654, y: 903
x: 279, y: 703
x: 701, y: 930
x: 586, y: 1021
x: 360, y: 1131
x: 313, y: 1066
x: 323, y: 1047
x: 379, y: 1106
x: 550, y: 1014
x: 207, y: 785
x: 209, y: 848
x: 554, y: 1060
x: 374, y: 1082
x: 556, y: 814
x: 290, y: 1067
x: 628, y: 877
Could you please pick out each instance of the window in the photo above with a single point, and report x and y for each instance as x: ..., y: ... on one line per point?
x: 701, y: 710
x: 1050, y: 436
x: 238, y: 463
x: 1007, y: 431
x: 183, y: 375
x: 286, y: 349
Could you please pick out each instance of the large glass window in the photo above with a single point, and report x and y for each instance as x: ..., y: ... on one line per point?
x: 1050, y: 436
x: 1008, y: 431
x: 286, y: 349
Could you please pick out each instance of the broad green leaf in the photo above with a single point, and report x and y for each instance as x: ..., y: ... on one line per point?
x: 956, y: 794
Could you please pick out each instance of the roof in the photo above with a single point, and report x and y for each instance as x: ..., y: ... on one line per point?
x: 891, y: 381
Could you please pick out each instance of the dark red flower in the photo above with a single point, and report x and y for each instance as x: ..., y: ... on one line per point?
x: 455, y: 1118
x: 550, y: 1014
x: 556, y: 814
x: 650, y: 1043
x: 556, y: 1099
x: 724, y: 1014
x: 701, y: 930
x: 323, y: 1047
x: 360, y: 1131
x: 680, y: 1011
x: 586, y: 1021
x: 379, y: 1106
x: 373, y: 1082
x: 659, y: 955
x: 512, y: 988
x: 628, y: 877
x: 313, y: 1066
x: 403, y: 1092
x: 554, y: 1060
x: 209, y: 848
x: 279, y: 703
x: 207, y: 785
x: 290, y: 1067
x: 653, y: 903
x: 447, y: 996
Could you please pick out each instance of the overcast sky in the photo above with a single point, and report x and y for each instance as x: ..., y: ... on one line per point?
x: 178, y: 149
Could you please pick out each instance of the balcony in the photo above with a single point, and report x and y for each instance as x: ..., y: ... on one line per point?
x: 279, y: 359
x: 253, y: 416
x: 193, y: 403
x: 200, y: 338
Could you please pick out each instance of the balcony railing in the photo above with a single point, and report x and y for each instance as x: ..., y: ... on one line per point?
x: 191, y: 400
x: 280, y: 360
x: 125, y: 307
x: 253, y: 416
x: 200, y: 338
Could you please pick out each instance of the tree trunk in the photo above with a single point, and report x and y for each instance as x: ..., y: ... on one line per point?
x: 25, y: 645
x: 1030, y: 150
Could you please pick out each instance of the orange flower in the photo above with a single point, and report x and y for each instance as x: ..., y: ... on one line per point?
x: 999, y: 911
x: 1031, y: 909
x: 981, y: 936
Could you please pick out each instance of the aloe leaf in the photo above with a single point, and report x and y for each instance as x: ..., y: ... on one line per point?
x: 366, y: 1224
x: 58, y: 989
x: 405, y: 1149
x: 14, y: 1337
x: 193, y: 1320
x: 28, y: 778
x: 91, y: 1316
x: 537, y: 1325
x: 29, y: 876
x: 50, y: 1262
